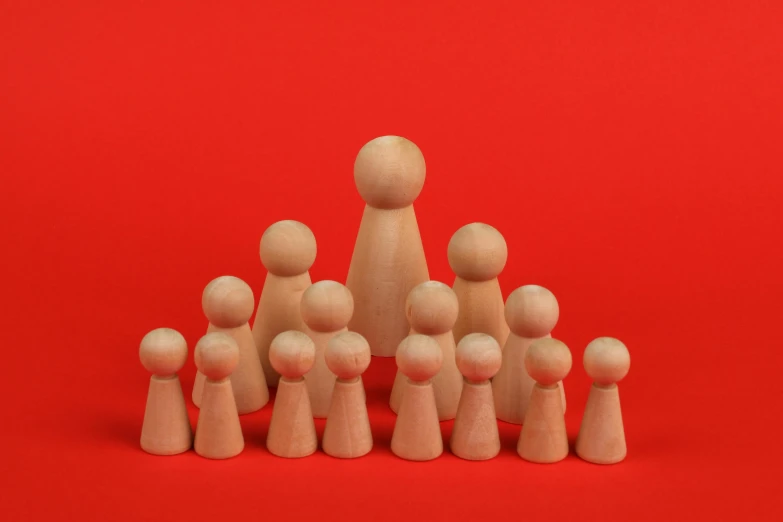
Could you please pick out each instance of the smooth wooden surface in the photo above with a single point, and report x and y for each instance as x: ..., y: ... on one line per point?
x: 292, y: 429
x: 166, y: 427
x: 417, y: 433
x: 481, y: 309
x: 475, y: 434
x: 218, y: 432
x: 601, y: 438
x: 347, y: 433
x: 543, y: 438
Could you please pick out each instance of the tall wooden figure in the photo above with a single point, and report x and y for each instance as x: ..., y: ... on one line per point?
x: 388, y: 259
x: 601, y: 438
x: 166, y: 428
x: 288, y: 251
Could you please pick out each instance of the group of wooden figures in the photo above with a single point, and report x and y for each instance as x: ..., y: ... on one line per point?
x: 462, y: 353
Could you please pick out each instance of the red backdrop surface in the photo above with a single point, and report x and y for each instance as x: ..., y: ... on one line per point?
x: 628, y: 151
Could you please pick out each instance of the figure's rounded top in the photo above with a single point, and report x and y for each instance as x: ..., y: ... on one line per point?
x: 389, y: 172
x: 288, y: 248
x: 432, y: 308
x: 347, y: 355
x: 478, y: 357
x: 606, y: 360
x: 327, y: 306
x: 217, y: 355
x: 228, y: 302
x: 532, y: 311
x: 548, y: 361
x: 419, y: 357
x: 477, y: 252
x: 292, y: 354
x: 163, y: 352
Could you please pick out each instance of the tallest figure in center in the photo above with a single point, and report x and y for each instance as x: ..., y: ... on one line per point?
x: 388, y: 259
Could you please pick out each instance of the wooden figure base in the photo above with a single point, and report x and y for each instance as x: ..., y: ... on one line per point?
x: 166, y: 428
x: 543, y: 438
x: 475, y: 434
x: 218, y: 433
x: 481, y: 310
x: 292, y: 430
x: 347, y: 433
x: 417, y: 430
x: 601, y: 438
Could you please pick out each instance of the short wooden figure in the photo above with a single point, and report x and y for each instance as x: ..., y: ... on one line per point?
x: 218, y: 432
x: 166, y: 428
x: 292, y: 430
x: 347, y: 433
x: 288, y: 251
x: 416, y: 433
x: 475, y: 434
x: 543, y: 438
x: 601, y: 438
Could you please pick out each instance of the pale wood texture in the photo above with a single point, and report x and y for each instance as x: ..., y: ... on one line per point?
x: 288, y: 251
x: 480, y: 309
x: 347, y: 433
x: 543, y: 437
x: 388, y: 258
x: 292, y: 430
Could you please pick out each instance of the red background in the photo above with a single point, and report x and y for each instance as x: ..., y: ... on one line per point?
x: 630, y: 152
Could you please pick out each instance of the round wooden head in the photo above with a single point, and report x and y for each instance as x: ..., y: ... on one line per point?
x: 532, y: 311
x: 477, y: 252
x: 347, y: 355
x: 478, y: 357
x: 216, y: 355
x: 327, y: 306
x: 548, y: 361
x: 419, y: 357
x: 228, y: 302
x: 606, y: 361
x: 389, y: 172
x: 163, y: 352
x: 432, y: 308
x: 292, y: 354
x: 288, y: 248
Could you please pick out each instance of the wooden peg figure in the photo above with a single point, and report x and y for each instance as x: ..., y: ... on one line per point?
x: 601, y: 438
x: 347, y: 433
x: 326, y: 308
x: 292, y: 430
x: 531, y: 312
x: 416, y: 433
x: 218, y: 432
x: 477, y: 255
x: 388, y: 259
x: 475, y: 435
x: 288, y: 250
x: 166, y: 427
x: 228, y: 304
x: 543, y: 438
x: 432, y: 309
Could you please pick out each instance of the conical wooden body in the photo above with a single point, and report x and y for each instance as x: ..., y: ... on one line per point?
x: 543, y: 438
x: 320, y: 379
x: 481, y: 310
x: 601, y: 438
x: 292, y: 430
x: 278, y: 311
x: 166, y: 428
x: 416, y: 433
x: 218, y: 432
x: 447, y: 384
x: 347, y: 433
x: 388, y: 261
x: 475, y: 434
x: 247, y: 381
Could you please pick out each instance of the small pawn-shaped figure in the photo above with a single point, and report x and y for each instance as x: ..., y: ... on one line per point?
x: 416, y: 433
x: 543, y: 438
x: 477, y: 255
x: 218, y: 432
x: 388, y: 258
x: 288, y: 251
x: 531, y: 312
x: 475, y: 435
x: 228, y: 304
x: 432, y: 309
x: 292, y: 430
x: 601, y: 438
x: 347, y: 433
x: 326, y: 308
x: 166, y: 428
